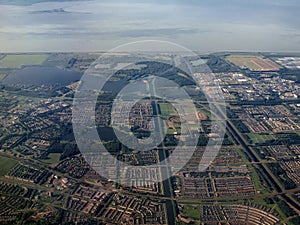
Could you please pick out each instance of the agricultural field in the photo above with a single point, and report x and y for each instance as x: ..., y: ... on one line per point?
x: 6, y: 164
x: 253, y: 63
x: 17, y: 61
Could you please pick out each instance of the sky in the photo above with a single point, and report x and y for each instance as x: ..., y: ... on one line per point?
x: 200, y: 25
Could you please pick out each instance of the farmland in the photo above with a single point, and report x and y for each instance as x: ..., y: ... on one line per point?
x: 253, y: 63
x: 17, y: 61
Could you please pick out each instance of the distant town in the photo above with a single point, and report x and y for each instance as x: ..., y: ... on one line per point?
x: 255, y: 179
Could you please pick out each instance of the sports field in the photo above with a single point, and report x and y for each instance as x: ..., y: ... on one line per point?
x: 166, y: 109
x: 254, y: 63
x: 17, y: 61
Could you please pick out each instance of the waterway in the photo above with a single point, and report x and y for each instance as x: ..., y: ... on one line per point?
x: 41, y: 75
x: 165, y: 170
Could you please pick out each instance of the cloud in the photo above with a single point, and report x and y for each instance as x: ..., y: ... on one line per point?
x: 31, y: 2
x: 217, y: 24
x: 77, y: 33
x: 60, y: 10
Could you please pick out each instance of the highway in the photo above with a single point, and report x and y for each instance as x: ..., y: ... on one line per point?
x: 165, y: 170
x: 267, y: 174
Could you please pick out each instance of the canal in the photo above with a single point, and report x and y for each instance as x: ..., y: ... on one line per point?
x: 166, y: 169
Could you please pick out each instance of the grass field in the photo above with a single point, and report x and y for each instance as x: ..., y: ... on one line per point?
x: 6, y: 164
x: 17, y: 61
x: 53, y: 158
x: 166, y: 109
x: 256, y: 180
x: 260, y: 138
x: 192, y: 211
x: 254, y: 63
x: 297, y: 132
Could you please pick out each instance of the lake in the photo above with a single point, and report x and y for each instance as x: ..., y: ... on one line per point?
x: 38, y: 76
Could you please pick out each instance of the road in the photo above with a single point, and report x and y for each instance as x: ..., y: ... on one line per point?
x: 275, y: 183
x: 165, y: 170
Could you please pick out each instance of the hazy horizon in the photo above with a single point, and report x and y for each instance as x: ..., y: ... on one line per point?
x: 95, y: 26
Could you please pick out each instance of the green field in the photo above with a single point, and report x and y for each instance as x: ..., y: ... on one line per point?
x: 53, y: 158
x: 192, y: 211
x: 6, y: 164
x: 297, y: 132
x: 166, y: 109
x: 260, y: 138
x: 17, y: 61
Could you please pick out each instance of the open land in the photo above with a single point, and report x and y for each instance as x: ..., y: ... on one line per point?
x: 254, y: 63
x: 17, y: 61
x: 6, y: 165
